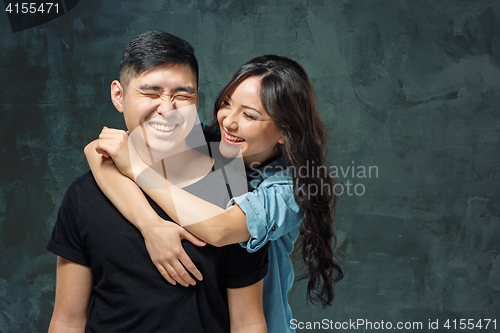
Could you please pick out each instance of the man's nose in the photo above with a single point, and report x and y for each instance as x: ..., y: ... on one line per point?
x: 166, y: 107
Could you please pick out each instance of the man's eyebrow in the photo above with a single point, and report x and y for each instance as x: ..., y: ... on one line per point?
x: 188, y: 89
x: 149, y: 87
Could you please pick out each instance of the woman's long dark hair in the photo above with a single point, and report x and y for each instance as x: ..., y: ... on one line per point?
x: 287, y: 96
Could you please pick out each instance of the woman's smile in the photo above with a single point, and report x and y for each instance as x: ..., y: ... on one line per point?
x: 233, y: 139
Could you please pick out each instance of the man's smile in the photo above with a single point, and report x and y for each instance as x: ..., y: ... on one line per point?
x: 163, y: 128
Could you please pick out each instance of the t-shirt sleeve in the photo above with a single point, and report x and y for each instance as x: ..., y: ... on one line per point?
x: 271, y: 212
x: 66, y: 240
x: 242, y: 268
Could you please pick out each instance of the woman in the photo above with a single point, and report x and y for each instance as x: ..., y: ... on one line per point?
x: 267, y: 111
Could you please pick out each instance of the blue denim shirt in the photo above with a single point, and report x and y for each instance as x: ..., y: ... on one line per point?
x: 273, y: 215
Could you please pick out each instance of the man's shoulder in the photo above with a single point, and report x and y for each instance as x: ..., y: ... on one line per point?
x: 84, y: 183
x: 85, y: 178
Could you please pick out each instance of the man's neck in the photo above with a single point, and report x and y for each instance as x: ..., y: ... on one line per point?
x: 183, y: 166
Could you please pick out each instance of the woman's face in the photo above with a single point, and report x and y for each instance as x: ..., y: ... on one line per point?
x: 246, y: 126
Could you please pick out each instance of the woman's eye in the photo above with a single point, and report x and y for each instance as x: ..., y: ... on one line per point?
x: 249, y: 116
x: 226, y: 103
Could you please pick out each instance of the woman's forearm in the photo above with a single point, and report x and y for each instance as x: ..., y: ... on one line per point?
x: 227, y: 228
x: 207, y: 221
x: 123, y: 192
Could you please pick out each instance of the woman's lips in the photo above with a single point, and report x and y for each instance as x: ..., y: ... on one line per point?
x: 232, y: 138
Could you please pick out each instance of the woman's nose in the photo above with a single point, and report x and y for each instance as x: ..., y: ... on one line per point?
x: 230, y: 120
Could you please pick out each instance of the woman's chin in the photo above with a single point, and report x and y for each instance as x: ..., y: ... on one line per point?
x: 229, y: 150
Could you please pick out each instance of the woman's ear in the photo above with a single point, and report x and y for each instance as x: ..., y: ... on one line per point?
x: 281, y: 139
x: 117, y: 95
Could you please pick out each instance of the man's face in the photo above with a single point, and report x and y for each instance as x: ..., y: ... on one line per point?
x: 161, y: 103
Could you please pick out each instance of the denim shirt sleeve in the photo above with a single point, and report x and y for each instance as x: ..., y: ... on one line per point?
x: 271, y: 212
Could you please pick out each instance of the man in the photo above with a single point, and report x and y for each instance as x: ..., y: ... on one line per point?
x: 106, y: 281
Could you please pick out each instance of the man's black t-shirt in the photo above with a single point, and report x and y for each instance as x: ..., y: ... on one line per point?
x: 129, y: 294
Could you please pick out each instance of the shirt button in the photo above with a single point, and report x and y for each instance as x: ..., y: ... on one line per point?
x: 273, y: 228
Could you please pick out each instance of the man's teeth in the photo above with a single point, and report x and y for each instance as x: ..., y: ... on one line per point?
x: 233, y: 139
x: 163, y: 128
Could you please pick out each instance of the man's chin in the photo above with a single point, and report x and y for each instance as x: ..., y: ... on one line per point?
x: 153, y: 153
x: 158, y: 153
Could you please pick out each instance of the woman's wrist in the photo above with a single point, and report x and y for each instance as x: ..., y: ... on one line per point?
x: 148, y: 218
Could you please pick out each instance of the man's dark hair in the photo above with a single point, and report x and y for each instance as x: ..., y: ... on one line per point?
x: 155, y: 48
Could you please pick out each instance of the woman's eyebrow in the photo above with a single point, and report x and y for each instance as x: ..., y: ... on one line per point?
x: 251, y: 108
x: 245, y: 106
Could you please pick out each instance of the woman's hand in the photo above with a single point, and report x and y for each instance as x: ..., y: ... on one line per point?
x: 163, y: 242
x: 113, y: 143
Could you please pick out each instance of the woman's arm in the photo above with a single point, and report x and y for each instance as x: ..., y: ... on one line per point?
x: 222, y: 227
x: 162, y: 238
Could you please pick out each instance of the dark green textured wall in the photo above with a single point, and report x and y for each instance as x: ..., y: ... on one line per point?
x: 409, y: 87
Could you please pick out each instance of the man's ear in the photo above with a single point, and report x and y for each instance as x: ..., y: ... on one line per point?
x: 117, y: 95
x: 197, y: 97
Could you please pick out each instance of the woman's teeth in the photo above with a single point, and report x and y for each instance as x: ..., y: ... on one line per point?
x: 233, y: 138
x: 163, y: 128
